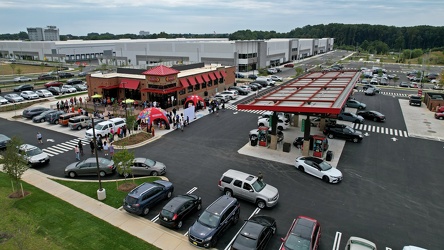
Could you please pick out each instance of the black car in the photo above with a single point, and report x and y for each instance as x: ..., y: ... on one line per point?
x: 255, y: 233
x: 47, y: 77
x: 415, y: 100
x: 4, y: 140
x: 142, y: 198
x: 216, y: 219
x: 178, y: 208
x: 54, y: 90
x: 41, y: 117
x: 74, y: 81
x: 342, y: 131
x: 252, y: 76
x: 372, y: 115
x: 253, y: 87
x: 240, y: 91
x: 65, y: 75
x: 261, y: 83
x: 239, y: 75
x: 23, y: 87
x: 33, y: 111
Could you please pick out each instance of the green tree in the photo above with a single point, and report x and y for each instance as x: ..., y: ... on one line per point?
x: 123, y: 159
x: 14, y: 162
x: 131, y: 121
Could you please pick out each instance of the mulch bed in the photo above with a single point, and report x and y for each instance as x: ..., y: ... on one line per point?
x: 127, y: 186
x: 18, y: 194
x: 133, y: 139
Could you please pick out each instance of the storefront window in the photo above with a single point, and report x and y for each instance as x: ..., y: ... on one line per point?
x: 204, y: 85
x: 190, y: 89
x: 210, y: 84
x: 215, y: 82
x: 182, y: 91
x: 197, y: 86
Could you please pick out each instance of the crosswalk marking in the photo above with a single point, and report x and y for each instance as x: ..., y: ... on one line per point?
x: 234, y: 107
x: 389, y: 93
x: 64, y: 146
x: 396, y: 133
x: 381, y: 130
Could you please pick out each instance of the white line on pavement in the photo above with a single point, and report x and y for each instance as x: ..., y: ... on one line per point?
x: 156, y: 218
x: 256, y: 211
x: 337, y: 241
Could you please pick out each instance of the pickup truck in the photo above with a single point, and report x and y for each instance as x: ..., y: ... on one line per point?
x: 415, y: 100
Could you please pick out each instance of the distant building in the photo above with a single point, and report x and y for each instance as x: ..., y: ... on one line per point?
x: 144, y: 33
x: 50, y: 33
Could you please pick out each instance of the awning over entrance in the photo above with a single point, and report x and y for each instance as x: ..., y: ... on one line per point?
x: 108, y: 87
x: 129, y: 83
x: 205, y: 77
x: 192, y: 80
x: 161, y: 91
x: 217, y: 74
x: 184, y: 82
x: 223, y: 73
x: 212, y: 76
x: 199, y: 79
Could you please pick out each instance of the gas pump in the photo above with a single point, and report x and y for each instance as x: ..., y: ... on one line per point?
x: 263, y: 136
x: 320, y: 145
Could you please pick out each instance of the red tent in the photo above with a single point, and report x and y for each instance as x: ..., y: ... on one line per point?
x: 194, y: 99
x: 149, y: 115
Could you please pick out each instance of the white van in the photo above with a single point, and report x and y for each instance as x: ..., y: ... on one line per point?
x: 269, y: 81
x: 104, y: 128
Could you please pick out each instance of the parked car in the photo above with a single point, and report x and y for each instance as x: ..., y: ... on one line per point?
x: 96, y: 121
x: 318, y: 168
x: 372, y: 115
x: 4, y: 140
x: 80, y: 87
x: 41, y: 117
x: 252, y: 76
x: 214, y: 221
x: 12, y: 98
x: 104, y: 128
x: 366, y: 86
x: 282, y: 124
x: 240, y: 91
x: 23, y: 87
x: 222, y: 98
x: 145, y: 166
x: 82, y: 74
x: 65, y: 74
x: 145, y: 196
x: 289, y: 65
x: 33, y: 111
x: 55, y: 90
x: 370, y: 91
x: 89, y: 167
x: 271, y: 71
x: 257, y: 85
x: 276, y: 78
x: 248, y: 187
x: 43, y: 93
x: 356, y: 243
x: 439, y: 115
x: 22, y: 79
x: 404, y: 85
x: 415, y: 100
x: 355, y: 104
x: 53, y: 118
x: 78, y: 122
x: 413, y: 85
x: 74, y: 81
x: 33, y: 154
x: 178, y: 209
x: 255, y: 233
x: 3, y: 100
x: 246, y: 88
x: 67, y: 89
x: 239, y: 75
x: 53, y: 84
x: 374, y: 80
x: 342, y: 131
x: 348, y: 116
x: 30, y: 95
x: 46, y: 77
x: 304, y: 234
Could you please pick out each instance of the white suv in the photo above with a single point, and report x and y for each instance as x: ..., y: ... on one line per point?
x: 104, y: 128
x: 231, y: 93
x: 281, y: 125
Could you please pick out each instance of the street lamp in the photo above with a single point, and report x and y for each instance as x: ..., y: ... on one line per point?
x: 101, y: 192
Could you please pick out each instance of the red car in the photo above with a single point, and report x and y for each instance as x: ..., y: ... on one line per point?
x: 304, y: 234
x: 53, y: 84
x: 289, y: 65
x: 439, y: 115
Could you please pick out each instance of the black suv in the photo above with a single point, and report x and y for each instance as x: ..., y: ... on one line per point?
x: 23, y: 87
x: 217, y: 218
x: 146, y: 195
x: 46, y: 77
x: 342, y: 131
x: 74, y: 81
x: 65, y: 75
x: 415, y: 100
x: 33, y: 111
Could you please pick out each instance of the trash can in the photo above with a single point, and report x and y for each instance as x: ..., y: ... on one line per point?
x: 286, y: 147
x: 253, y: 142
x: 329, y: 155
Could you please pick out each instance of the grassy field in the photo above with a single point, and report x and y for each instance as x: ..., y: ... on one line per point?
x: 42, y: 221
x: 5, y: 69
x: 114, y: 197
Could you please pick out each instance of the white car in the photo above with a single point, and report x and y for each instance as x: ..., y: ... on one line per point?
x: 231, y: 93
x: 276, y: 78
x: 223, y: 97
x: 374, y: 80
x: 318, y: 168
x: 3, y: 100
x: 29, y: 95
x: 22, y: 79
x: 268, y: 114
x: 33, y: 154
x: 272, y: 71
x: 67, y: 89
x: 245, y: 87
x: 356, y: 243
x: 43, y: 93
x: 281, y: 124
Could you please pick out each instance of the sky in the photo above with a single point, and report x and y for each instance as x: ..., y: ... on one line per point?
x: 80, y: 17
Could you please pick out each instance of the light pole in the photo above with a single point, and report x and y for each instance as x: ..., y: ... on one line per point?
x: 101, y: 192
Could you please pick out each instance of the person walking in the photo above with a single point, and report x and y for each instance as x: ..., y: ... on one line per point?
x: 39, y: 138
x: 105, y: 148
x: 77, y: 152
x: 80, y: 147
x: 181, y: 124
x: 58, y: 105
x: 91, y: 145
x: 111, y: 150
x: 152, y: 131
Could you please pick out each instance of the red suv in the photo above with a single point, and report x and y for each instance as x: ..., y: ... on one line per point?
x: 439, y: 115
x: 289, y: 65
x: 53, y: 84
x: 304, y: 234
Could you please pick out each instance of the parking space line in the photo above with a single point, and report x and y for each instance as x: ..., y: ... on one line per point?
x: 337, y: 241
x: 256, y: 211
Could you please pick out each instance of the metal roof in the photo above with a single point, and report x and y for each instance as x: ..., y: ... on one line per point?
x: 317, y: 93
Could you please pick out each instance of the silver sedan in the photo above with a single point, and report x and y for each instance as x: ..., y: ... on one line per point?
x: 145, y: 166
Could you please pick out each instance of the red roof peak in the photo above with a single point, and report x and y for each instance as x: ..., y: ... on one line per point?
x: 161, y: 71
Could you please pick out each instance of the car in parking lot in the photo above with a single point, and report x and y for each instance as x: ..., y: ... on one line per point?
x: 82, y: 74
x: 240, y: 91
x: 272, y: 71
x: 246, y: 88
x: 80, y: 87
x: 255, y: 233
x: 366, y: 86
x: 145, y: 166
x: 3, y: 100
x: 22, y: 79
x: 30, y: 95
x: 282, y: 124
x: 356, y: 243
x: 96, y: 121
x: 415, y: 100
x: 404, y: 85
x: 89, y: 167
x: 348, y: 116
x: 43, y: 93
x: 342, y: 131
x: 252, y: 76
x: 23, y: 87
x: 74, y: 81
x: 289, y: 65
x: 230, y: 93
x: 33, y: 154
x: 304, y: 234
x: 214, y: 221
x: 222, y: 98
x: 355, y: 104
x: 55, y: 90
x: 33, y: 111
x: 41, y: 117
x: 248, y: 187
x: 318, y: 168
x: 53, y: 117
x: 67, y: 89
x: 141, y: 199
x: 178, y: 209
x: 239, y: 75
x: 78, y: 122
x: 46, y: 77
x: 13, y: 98
x: 53, y: 84
x: 276, y: 78
x: 65, y: 74
x: 370, y: 91
x: 4, y: 140
x: 257, y: 85
x: 372, y: 115
x: 439, y: 115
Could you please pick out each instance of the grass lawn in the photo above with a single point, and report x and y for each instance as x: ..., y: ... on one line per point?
x: 114, y: 197
x: 42, y: 221
x: 5, y: 69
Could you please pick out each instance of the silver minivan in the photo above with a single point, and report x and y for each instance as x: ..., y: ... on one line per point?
x: 248, y: 187
x: 78, y: 122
